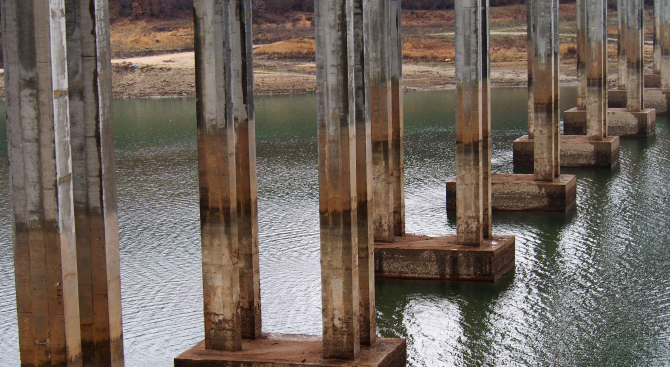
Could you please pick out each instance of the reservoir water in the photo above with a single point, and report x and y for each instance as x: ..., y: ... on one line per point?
x: 590, y: 287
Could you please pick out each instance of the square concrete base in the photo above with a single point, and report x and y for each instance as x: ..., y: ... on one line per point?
x: 423, y: 257
x: 654, y: 98
x: 522, y: 192
x: 576, y: 151
x: 276, y: 350
x: 621, y: 122
x: 652, y: 80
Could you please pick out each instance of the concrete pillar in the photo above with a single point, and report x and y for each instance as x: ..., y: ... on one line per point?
x: 366, y: 266
x: 245, y: 163
x: 557, y: 91
x: 381, y: 104
x: 596, y: 70
x: 581, y: 53
x: 336, y: 131
x: 94, y: 183
x: 469, y: 146
x: 529, y: 63
x: 665, y: 43
x: 215, y: 56
x: 658, y: 35
x: 634, y: 20
x: 545, y: 14
x: 487, y: 219
x: 38, y: 132
x: 397, y: 145
x: 622, y: 73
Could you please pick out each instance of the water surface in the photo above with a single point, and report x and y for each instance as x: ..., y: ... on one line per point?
x: 591, y: 287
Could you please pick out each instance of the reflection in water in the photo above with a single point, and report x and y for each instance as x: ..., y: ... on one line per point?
x: 590, y: 287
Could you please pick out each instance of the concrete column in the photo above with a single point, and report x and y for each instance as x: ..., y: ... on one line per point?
x: 214, y: 60
x: 377, y: 20
x: 336, y: 122
x: 557, y: 91
x: 581, y: 54
x: 529, y: 62
x: 397, y: 146
x: 596, y: 75
x: 366, y: 266
x: 544, y: 66
x: 487, y: 219
x: 665, y: 43
x: 635, y: 54
x: 94, y: 183
x: 469, y: 146
x: 622, y: 68
x: 658, y: 35
x: 245, y: 163
x: 38, y: 132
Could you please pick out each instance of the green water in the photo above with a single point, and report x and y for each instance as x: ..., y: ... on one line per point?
x: 590, y: 287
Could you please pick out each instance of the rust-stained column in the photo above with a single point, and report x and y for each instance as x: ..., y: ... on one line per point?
x: 214, y: 42
x: 245, y: 163
x: 581, y: 53
x: 622, y: 68
x: 487, y: 209
x: 596, y: 70
x: 366, y: 266
x: 658, y: 35
x: 94, y: 181
x: 469, y: 155
x: 557, y: 91
x: 665, y: 43
x: 38, y: 132
x: 379, y: 77
x: 397, y: 145
x: 529, y: 56
x: 337, y: 177
x: 635, y: 54
x: 544, y: 66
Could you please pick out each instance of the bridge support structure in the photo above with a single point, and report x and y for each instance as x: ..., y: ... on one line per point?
x: 657, y: 84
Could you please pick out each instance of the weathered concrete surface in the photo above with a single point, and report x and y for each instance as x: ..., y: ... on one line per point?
x: 634, y: 23
x: 336, y: 131
x: 397, y: 144
x: 652, y: 81
x: 245, y: 167
x: 275, y: 350
x: 523, y: 193
x: 627, y: 124
x: 366, y: 270
x: 379, y: 79
x: 423, y: 257
x: 654, y: 98
x: 622, y: 67
x: 41, y: 182
x: 576, y: 151
x: 94, y: 181
x: 217, y: 170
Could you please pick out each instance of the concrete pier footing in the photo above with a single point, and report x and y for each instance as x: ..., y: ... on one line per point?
x: 576, y: 151
x: 273, y: 350
x: 654, y: 98
x: 621, y: 122
x: 424, y: 257
x: 514, y: 192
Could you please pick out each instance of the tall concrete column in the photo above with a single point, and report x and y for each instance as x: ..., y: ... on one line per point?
x: 366, y: 266
x: 469, y: 134
x: 336, y: 121
x: 557, y: 91
x: 94, y: 181
x: 664, y: 31
x: 245, y: 163
x: 658, y: 35
x: 38, y: 132
x: 487, y: 207
x: 581, y: 53
x: 397, y: 145
x: 529, y: 56
x: 379, y: 77
x: 596, y: 71
x: 215, y: 55
x: 622, y: 62
x: 546, y: 162
x: 634, y: 24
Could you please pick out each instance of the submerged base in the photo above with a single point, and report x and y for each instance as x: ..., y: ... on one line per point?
x: 522, y: 192
x: 277, y: 350
x: 621, y: 122
x: 576, y: 151
x: 423, y: 257
x: 654, y: 98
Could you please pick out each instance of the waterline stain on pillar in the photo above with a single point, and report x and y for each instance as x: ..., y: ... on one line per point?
x: 38, y: 132
x: 94, y: 181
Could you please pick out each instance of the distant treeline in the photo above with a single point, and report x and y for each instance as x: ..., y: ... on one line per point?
x: 176, y: 8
